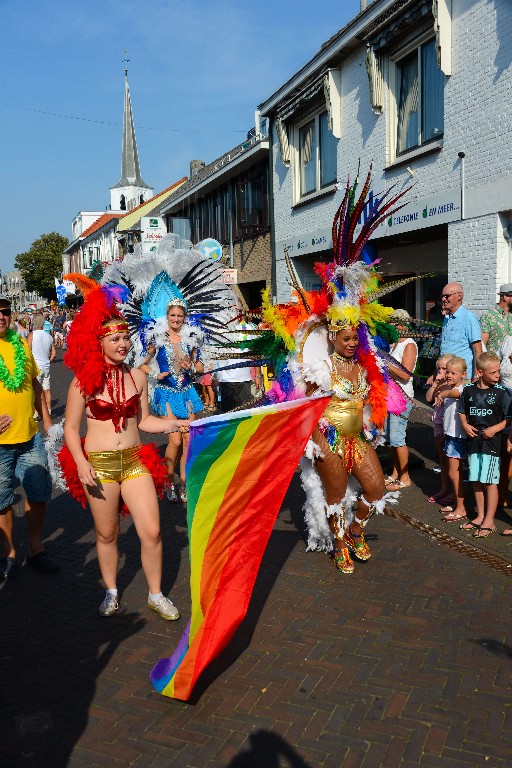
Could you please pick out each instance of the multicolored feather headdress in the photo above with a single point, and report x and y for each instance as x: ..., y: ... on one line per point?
x: 347, y: 298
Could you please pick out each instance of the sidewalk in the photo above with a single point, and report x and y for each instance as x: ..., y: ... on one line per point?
x: 405, y: 663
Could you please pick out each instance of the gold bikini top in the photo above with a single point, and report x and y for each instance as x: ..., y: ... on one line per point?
x: 344, y: 387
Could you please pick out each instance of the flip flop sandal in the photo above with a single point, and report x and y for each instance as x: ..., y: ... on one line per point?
x: 469, y: 525
x: 448, y: 510
x: 479, y: 535
x: 452, y: 518
x: 506, y: 533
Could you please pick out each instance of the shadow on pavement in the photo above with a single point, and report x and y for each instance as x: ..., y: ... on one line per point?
x: 266, y: 749
x: 54, y: 646
x: 494, y: 646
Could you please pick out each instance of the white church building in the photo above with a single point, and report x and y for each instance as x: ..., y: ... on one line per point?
x: 421, y: 90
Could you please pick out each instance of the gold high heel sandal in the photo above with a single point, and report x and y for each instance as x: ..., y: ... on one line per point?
x: 342, y: 560
x: 359, y: 547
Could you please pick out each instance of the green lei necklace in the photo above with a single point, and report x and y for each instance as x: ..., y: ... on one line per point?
x: 13, y: 382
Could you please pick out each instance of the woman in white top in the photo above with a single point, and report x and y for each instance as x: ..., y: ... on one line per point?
x: 405, y: 351
x: 43, y: 349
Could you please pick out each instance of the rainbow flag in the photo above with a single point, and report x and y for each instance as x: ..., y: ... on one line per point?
x: 239, y: 467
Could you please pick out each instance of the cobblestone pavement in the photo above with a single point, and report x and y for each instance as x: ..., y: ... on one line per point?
x: 405, y: 663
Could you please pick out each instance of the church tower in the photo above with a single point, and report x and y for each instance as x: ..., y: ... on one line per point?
x: 130, y: 191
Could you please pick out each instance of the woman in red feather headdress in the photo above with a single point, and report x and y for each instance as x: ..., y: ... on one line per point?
x: 111, y: 468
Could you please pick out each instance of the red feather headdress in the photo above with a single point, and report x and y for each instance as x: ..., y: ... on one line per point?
x: 84, y: 354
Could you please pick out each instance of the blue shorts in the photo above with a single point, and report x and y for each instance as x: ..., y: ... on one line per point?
x: 455, y: 447
x: 25, y: 464
x: 484, y: 468
x: 396, y: 427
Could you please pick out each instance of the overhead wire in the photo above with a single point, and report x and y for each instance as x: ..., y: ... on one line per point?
x: 118, y: 125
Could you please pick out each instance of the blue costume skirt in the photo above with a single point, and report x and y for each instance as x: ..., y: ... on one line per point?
x: 178, y: 401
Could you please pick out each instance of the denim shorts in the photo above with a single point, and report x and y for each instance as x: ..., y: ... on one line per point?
x: 455, y: 447
x: 396, y: 427
x: 24, y: 464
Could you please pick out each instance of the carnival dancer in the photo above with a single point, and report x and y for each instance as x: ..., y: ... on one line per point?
x: 178, y: 308
x: 343, y: 447
x: 178, y: 359
x: 111, y: 467
x: 345, y: 314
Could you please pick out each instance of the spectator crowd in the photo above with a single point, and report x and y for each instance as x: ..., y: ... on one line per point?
x: 470, y: 394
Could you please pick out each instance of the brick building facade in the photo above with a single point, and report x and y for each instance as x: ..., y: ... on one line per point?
x: 421, y: 90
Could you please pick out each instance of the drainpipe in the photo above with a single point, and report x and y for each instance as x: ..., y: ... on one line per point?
x: 462, y: 155
x: 273, y: 267
x: 231, y: 257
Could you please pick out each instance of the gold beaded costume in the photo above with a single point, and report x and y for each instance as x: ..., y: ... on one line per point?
x: 342, y: 422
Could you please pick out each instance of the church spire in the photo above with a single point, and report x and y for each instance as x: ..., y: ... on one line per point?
x: 130, y: 190
x: 130, y: 167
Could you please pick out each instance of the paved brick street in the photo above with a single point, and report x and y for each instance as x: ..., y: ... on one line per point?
x: 405, y: 663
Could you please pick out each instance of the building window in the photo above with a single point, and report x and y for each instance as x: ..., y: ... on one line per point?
x: 316, y: 155
x: 420, y: 98
x: 122, y: 203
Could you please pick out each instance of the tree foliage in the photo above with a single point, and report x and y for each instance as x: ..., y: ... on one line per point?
x: 42, y: 263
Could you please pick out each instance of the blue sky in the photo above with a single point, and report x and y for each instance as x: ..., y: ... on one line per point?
x: 197, y: 70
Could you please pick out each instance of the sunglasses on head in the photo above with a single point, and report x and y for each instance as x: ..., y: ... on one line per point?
x: 5, y: 311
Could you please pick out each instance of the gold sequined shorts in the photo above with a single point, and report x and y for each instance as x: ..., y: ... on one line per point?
x: 117, y: 466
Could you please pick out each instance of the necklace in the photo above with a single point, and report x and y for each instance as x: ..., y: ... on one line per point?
x: 115, y: 387
x: 12, y: 382
x: 343, y: 363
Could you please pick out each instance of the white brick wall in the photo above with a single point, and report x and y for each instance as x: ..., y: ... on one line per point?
x: 478, y: 121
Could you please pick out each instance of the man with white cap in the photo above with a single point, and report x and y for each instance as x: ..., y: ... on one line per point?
x: 496, y: 323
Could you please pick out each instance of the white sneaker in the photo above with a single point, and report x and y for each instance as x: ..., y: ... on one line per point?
x: 109, y: 605
x: 164, y: 608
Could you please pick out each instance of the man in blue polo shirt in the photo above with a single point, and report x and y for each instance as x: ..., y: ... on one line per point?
x: 461, y: 330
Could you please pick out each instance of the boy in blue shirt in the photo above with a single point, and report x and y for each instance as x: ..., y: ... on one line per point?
x: 484, y: 409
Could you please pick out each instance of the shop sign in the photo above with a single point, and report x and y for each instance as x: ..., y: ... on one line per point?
x: 311, y: 242
x: 229, y: 276
x: 152, y: 229
x: 419, y: 213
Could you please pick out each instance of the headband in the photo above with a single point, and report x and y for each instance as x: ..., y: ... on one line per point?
x: 110, y: 330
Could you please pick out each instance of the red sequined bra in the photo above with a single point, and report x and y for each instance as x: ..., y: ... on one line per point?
x: 103, y: 410
x: 118, y: 409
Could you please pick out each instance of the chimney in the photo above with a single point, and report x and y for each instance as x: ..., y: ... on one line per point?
x: 364, y: 5
x: 196, y: 166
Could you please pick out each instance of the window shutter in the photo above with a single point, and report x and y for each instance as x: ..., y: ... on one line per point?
x: 442, y: 10
x: 284, y: 143
x: 332, y: 92
x: 374, y: 62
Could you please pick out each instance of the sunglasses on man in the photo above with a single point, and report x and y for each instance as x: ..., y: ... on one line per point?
x: 5, y: 311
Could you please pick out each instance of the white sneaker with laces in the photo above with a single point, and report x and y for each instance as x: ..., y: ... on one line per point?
x: 164, y: 608
x: 109, y: 605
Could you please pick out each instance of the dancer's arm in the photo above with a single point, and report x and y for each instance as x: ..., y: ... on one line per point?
x: 75, y: 407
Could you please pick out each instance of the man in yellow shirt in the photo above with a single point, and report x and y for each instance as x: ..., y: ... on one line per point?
x: 22, y: 453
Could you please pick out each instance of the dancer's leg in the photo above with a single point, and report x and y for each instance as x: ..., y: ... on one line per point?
x: 370, y: 477
x: 104, y: 504
x: 171, y: 453
x: 140, y: 497
x: 334, y: 480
